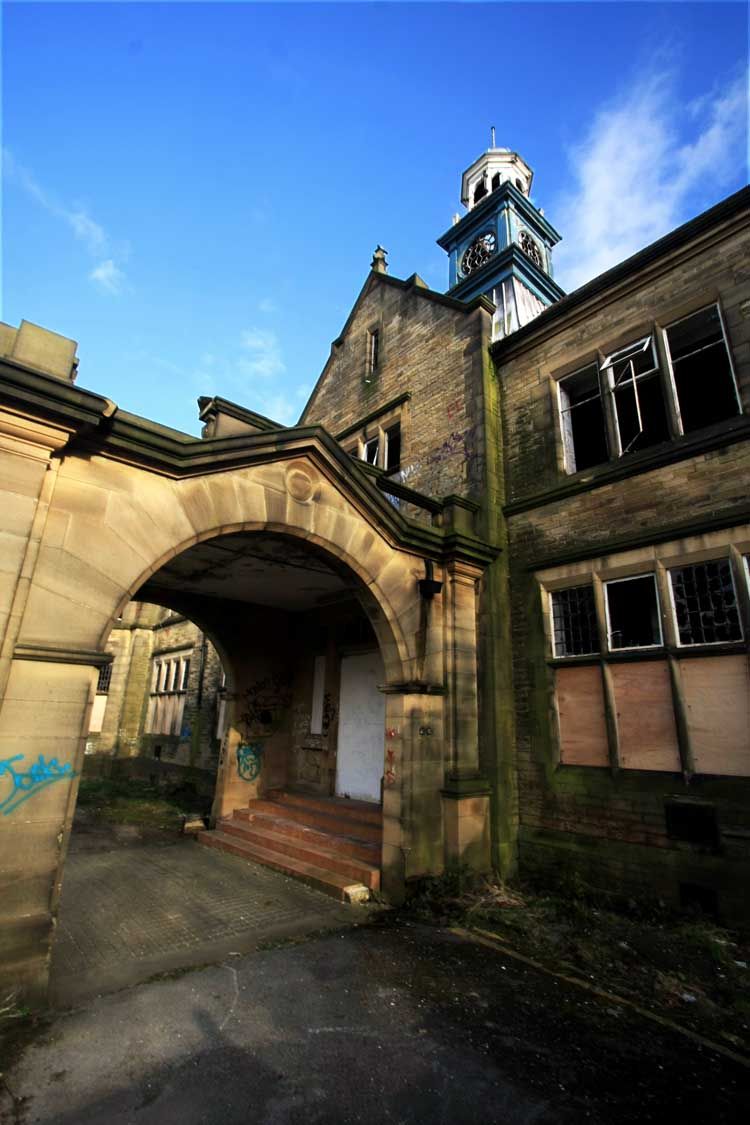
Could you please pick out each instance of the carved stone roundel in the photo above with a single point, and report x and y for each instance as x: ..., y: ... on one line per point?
x: 302, y: 482
x: 480, y: 251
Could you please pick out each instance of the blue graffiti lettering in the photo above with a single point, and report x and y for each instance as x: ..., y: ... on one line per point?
x: 249, y: 760
x: 25, y: 785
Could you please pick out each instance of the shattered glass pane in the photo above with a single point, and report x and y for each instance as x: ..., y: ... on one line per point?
x: 705, y: 603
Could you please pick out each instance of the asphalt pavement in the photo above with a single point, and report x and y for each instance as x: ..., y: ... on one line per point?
x: 388, y: 1022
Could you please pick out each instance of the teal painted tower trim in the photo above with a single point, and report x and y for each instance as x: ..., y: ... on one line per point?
x: 503, y: 215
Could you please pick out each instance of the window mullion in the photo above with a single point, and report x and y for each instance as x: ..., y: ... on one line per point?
x: 730, y: 358
x: 608, y: 687
x: 666, y: 374
x: 741, y: 575
x: 610, y: 412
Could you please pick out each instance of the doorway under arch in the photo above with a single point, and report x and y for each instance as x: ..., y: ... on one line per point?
x: 305, y: 645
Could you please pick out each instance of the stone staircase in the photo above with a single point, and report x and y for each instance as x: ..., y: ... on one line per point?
x: 330, y: 843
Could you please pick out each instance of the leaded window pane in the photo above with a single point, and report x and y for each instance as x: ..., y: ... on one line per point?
x: 574, y: 621
x: 705, y: 603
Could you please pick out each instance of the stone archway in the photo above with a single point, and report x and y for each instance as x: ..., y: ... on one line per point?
x: 95, y: 519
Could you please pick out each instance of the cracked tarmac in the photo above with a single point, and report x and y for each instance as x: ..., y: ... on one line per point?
x: 390, y: 1022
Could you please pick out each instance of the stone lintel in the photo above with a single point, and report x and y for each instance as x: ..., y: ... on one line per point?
x: 459, y: 785
x: 51, y: 655
x: 412, y: 687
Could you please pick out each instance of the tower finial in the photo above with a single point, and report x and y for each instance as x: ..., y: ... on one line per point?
x: 379, y: 261
x: 492, y: 136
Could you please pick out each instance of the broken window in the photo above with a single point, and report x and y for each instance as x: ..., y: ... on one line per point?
x: 702, y: 369
x: 633, y: 378
x: 582, y: 415
x: 370, y: 452
x: 392, y: 458
x: 574, y: 628
x: 630, y: 405
x: 633, y: 613
x: 105, y: 678
x: 705, y: 603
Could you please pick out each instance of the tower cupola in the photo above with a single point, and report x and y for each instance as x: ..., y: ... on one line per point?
x: 494, y: 167
x: 502, y: 246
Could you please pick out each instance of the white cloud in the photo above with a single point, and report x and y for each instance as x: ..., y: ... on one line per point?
x: 264, y: 350
x: 107, y: 274
x: 636, y: 179
x: 267, y: 306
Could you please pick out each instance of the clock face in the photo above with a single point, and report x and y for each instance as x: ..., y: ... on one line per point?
x: 480, y: 251
x: 531, y: 249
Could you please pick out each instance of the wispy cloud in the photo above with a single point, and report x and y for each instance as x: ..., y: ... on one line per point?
x: 267, y: 306
x: 106, y: 273
x: 108, y: 276
x: 264, y: 354
x: 637, y: 177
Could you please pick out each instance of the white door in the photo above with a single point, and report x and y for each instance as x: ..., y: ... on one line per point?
x: 361, y: 745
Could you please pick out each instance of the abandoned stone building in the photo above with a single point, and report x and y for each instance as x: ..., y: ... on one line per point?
x: 160, y: 704
x: 487, y: 604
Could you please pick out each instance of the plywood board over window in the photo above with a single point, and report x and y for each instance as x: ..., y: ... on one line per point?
x: 717, y: 694
x: 580, y: 708
x: 645, y: 716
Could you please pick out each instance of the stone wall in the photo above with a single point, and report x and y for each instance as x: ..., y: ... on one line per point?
x: 145, y: 634
x: 607, y: 825
x: 429, y: 347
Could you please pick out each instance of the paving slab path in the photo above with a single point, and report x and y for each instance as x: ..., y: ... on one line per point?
x: 141, y: 902
x: 391, y: 1022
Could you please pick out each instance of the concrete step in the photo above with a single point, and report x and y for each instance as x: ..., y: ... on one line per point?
x: 368, y: 851
x: 316, y: 849
x: 330, y: 882
x: 322, y: 818
x: 362, y: 812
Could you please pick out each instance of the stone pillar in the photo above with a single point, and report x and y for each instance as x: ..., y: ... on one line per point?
x: 466, y: 794
x: 43, y: 727
x: 414, y: 769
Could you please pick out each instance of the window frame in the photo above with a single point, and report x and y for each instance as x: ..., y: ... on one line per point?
x: 670, y: 363
x: 551, y: 622
x: 675, y: 620
x: 654, y: 337
x: 378, y: 433
x: 632, y: 578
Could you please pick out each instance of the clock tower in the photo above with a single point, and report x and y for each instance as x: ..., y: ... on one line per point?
x: 502, y: 246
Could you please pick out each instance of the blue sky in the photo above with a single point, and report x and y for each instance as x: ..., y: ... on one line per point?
x: 194, y: 191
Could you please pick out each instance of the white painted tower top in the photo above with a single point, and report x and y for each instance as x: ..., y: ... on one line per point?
x: 490, y: 170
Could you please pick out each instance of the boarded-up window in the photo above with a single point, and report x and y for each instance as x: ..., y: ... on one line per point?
x: 717, y: 694
x: 580, y: 709
x: 645, y: 716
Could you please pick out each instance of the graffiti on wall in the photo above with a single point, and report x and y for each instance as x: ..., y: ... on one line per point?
x: 329, y: 712
x: 249, y: 760
x: 265, y: 703
x: 27, y: 783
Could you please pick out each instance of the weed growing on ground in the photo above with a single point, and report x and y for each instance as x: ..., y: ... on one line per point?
x: 136, y: 802
x: 687, y: 967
